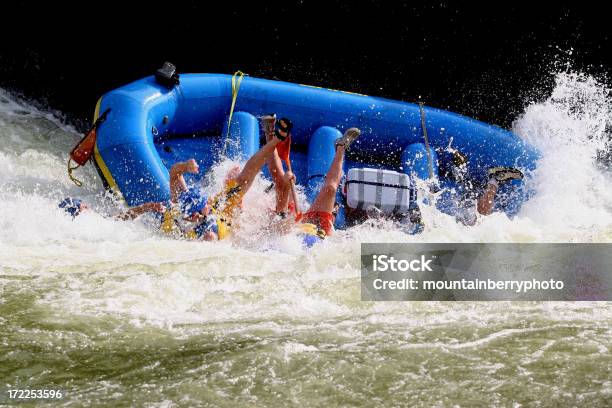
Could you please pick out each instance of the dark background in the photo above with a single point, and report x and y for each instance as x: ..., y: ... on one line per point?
x: 485, y: 61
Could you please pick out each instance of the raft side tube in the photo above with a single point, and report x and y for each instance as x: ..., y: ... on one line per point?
x: 126, y: 147
x: 321, y: 153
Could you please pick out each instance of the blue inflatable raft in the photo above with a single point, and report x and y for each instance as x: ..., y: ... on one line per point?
x: 151, y: 126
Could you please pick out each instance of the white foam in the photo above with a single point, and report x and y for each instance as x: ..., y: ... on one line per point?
x: 573, y: 201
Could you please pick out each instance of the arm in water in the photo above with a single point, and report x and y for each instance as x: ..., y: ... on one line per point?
x: 75, y: 207
x: 137, y: 211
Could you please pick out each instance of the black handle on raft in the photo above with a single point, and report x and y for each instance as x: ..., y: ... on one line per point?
x: 167, y: 76
x: 101, y: 119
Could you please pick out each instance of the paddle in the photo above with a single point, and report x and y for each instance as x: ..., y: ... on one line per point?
x: 284, y: 150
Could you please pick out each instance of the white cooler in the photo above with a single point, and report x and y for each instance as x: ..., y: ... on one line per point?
x: 388, y: 190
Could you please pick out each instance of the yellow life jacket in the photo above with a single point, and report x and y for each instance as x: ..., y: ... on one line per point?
x: 311, y: 229
x: 224, y: 206
x: 170, y: 225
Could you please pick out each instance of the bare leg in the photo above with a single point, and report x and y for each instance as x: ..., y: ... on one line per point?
x: 255, y: 163
x: 486, y: 200
x: 326, y: 199
x: 497, y: 176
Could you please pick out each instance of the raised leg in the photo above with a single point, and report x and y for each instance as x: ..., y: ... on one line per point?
x: 326, y: 198
x: 497, y: 176
x: 255, y: 163
x: 486, y: 200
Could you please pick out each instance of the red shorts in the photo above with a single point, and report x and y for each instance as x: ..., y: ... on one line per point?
x: 322, y: 219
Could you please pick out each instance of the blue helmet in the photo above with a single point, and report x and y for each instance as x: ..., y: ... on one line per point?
x: 71, y: 205
x: 192, y: 201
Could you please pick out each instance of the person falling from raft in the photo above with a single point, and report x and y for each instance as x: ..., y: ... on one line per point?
x: 473, y: 199
x: 192, y: 215
x: 318, y: 220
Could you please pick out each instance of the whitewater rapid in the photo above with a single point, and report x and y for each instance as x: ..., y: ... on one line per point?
x: 263, y: 320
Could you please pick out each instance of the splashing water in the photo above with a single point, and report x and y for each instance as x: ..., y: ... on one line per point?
x: 115, y: 313
x: 573, y: 201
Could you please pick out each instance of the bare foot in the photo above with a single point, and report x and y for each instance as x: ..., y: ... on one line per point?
x: 268, y: 123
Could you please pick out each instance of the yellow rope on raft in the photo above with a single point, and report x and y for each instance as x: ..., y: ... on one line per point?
x: 76, y: 181
x: 236, y: 80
